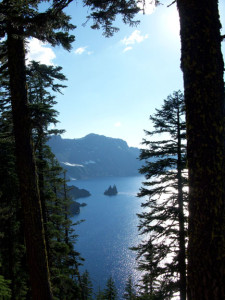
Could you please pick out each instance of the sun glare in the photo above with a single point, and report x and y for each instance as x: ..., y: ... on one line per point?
x: 170, y: 21
x: 148, y: 6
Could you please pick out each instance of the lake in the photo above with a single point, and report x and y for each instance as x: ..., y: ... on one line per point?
x: 110, y: 228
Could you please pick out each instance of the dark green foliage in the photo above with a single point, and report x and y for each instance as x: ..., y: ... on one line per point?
x: 41, y: 79
x: 12, y: 250
x: 110, y: 291
x: 54, y: 192
x: 21, y: 19
x: 100, y: 295
x: 161, y: 254
x: 64, y: 261
x: 51, y: 26
x: 86, y: 286
x: 130, y: 293
x: 5, y: 292
x: 103, y: 14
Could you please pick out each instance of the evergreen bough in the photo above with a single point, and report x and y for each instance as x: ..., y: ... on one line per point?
x: 163, y: 223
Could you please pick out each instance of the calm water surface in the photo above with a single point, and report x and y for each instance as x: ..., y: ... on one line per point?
x: 110, y: 228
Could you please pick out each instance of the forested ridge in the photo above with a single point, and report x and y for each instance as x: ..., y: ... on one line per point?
x: 182, y: 253
x: 95, y: 156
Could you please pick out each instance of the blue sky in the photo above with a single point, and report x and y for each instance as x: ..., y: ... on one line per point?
x: 115, y: 83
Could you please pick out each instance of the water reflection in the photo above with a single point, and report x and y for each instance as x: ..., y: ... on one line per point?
x: 109, y: 230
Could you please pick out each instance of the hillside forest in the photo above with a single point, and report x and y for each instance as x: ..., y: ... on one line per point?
x: 183, y: 159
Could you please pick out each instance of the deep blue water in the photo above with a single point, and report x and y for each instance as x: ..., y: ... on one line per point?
x: 110, y: 228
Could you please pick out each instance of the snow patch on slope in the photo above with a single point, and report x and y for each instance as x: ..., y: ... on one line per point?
x: 72, y: 165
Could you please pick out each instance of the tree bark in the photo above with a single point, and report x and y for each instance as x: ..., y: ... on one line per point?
x: 41, y: 187
x: 202, y: 66
x: 182, y: 250
x: 30, y: 199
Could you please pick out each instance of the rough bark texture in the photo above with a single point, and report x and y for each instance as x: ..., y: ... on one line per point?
x: 41, y: 185
x: 182, y: 250
x: 33, y: 224
x: 202, y: 65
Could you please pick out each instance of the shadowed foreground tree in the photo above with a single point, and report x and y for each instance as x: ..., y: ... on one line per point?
x: 15, y: 15
x: 60, y: 238
x: 202, y: 66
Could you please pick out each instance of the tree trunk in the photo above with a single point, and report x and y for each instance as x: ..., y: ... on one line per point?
x: 182, y: 251
x: 30, y: 199
x: 66, y: 208
x: 41, y: 181
x: 202, y: 65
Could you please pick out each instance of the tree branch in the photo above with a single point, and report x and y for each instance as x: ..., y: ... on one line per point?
x: 60, y: 5
x: 3, y: 67
x: 172, y: 3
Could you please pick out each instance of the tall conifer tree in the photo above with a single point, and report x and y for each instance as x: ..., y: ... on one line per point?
x: 63, y: 259
x: 21, y: 19
x: 110, y: 291
x: 60, y: 239
x: 12, y: 250
x: 129, y: 293
x: 203, y: 70
x: 162, y: 253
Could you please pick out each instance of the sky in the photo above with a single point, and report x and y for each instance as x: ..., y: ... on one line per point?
x: 115, y: 84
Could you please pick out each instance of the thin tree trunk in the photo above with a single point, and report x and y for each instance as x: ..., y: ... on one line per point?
x: 182, y: 255
x: 66, y: 208
x: 202, y: 65
x: 30, y: 199
x: 41, y: 187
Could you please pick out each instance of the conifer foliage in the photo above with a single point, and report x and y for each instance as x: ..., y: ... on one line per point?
x: 63, y: 260
x: 161, y: 254
x: 129, y: 293
x: 110, y: 291
x: 21, y: 20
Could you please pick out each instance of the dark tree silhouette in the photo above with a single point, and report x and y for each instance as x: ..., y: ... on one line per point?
x: 162, y: 254
x: 202, y: 66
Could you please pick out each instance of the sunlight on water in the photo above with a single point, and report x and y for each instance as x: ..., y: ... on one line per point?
x: 109, y: 230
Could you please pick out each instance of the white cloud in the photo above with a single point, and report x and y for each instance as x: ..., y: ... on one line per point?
x: 127, y: 49
x: 117, y: 124
x: 40, y: 51
x: 80, y: 50
x: 134, y: 38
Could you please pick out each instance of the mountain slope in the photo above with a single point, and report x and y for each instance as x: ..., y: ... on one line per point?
x: 95, y: 156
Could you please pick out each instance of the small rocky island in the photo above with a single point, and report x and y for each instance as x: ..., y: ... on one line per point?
x: 111, y: 191
x: 76, y: 193
x: 75, y: 207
